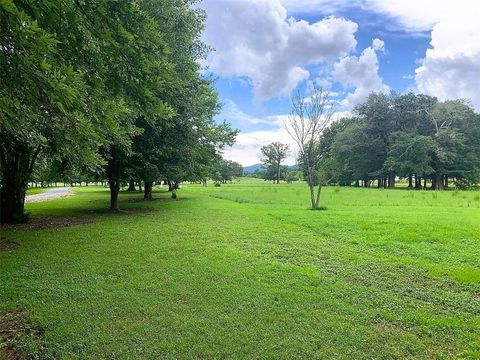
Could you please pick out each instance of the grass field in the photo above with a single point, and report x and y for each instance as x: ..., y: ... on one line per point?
x: 247, y: 271
x: 35, y: 190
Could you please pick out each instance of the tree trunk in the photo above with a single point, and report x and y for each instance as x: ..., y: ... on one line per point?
x: 278, y: 173
x: 16, y: 164
x: 357, y: 183
x: 114, y: 190
x: 170, y: 184
x: 445, y: 184
x: 312, y: 195
x: 12, y: 200
x: 410, y: 181
x: 418, y: 182
x: 437, y: 181
x: 391, y: 181
x: 311, y: 187
x: 113, y: 173
x: 131, y: 185
x: 425, y: 183
x: 148, y: 190
x: 317, y: 201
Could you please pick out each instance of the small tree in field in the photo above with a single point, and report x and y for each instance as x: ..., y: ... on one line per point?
x: 305, y: 124
x: 273, y: 154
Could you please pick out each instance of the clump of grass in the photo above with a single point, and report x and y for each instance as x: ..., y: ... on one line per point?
x: 320, y: 208
x: 337, y: 190
x: 476, y: 197
x: 455, y: 193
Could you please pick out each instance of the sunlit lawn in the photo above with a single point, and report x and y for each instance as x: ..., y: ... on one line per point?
x: 245, y: 270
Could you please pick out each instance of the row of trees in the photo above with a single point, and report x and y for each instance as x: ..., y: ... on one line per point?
x: 410, y: 136
x: 270, y: 172
x: 108, y: 89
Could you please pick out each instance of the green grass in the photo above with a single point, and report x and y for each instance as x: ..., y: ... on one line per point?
x: 35, y: 190
x: 245, y: 270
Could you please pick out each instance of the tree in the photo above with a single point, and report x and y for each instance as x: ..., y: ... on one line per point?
x: 410, y: 136
x: 184, y: 146
x: 452, y: 155
x: 227, y: 170
x: 273, y: 154
x: 43, y: 99
x: 410, y: 155
x: 305, y: 124
x: 355, y: 154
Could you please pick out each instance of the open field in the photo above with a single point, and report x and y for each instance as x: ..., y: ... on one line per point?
x: 35, y: 190
x: 245, y: 270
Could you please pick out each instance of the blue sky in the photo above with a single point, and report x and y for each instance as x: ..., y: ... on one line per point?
x: 267, y: 49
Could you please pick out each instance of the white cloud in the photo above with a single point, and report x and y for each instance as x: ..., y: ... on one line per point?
x: 451, y: 68
x: 254, y: 38
x: 323, y: 6
x: 378, y: 45
x: 360, y: 73
x: 246, y: 150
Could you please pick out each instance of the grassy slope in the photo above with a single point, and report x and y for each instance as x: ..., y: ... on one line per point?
x: 245, y: 271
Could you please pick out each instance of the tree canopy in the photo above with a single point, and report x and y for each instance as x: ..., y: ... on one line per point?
x: 411, y: 136
x: 107, y: 88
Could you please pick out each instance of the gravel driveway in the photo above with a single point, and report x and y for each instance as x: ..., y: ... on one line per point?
x: 49, y: 194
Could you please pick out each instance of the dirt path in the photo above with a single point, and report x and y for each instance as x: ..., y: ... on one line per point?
x: 49, y: 194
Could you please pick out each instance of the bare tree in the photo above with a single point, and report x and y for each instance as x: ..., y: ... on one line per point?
x: 308, y: 118
x: 273, y: 154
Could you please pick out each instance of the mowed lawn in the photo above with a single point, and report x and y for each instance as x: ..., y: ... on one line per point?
x: 246, y: 271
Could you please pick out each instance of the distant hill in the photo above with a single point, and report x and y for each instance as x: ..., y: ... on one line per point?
x: 252, y: 168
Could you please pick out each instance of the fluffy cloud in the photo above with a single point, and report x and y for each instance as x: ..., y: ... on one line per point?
x: 360, y: 73
x: 451, y: 68
x: 254, y: 38
x: 246, y: 150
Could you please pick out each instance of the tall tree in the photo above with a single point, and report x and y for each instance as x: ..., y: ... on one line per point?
x: 185, y: 146
x: 273, y: 155
x: 44, y: 101
x: 305, y: 124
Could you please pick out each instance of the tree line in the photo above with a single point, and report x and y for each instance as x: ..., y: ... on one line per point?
x: 393, y: 136
x: 409, y: 136
x: 104, y: 89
